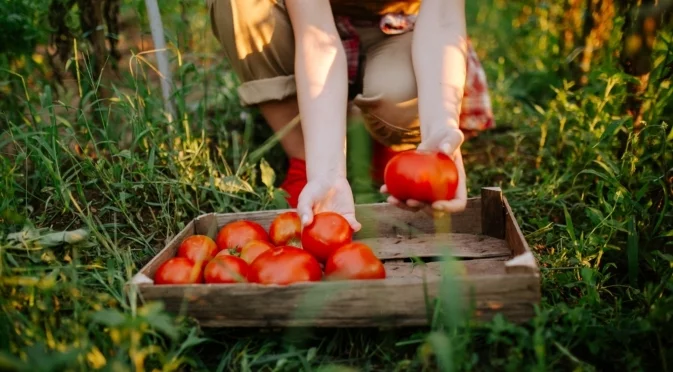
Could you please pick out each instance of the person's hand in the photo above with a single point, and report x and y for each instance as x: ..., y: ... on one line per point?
x: 448, y: 141
x: 324, y: 195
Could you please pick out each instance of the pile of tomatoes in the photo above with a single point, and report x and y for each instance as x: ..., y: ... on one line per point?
x: 243, y: 251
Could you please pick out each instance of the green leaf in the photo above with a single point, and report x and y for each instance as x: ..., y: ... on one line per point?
x: 665, y: 256
x: 569, y: 224
x: 268, y: 175
x: 191, y: 341
x: 610, y: 131
x: 109, y: 317
x: 126, y: 154
x: 124, y: 195
x: 632, y: 251
x: 279, y: 200
x: 163, y: 323
x: 234, y: 184
x: 441, y: 346
x: 9, y: 362
x: 42, y: 359
x: 311, y: 354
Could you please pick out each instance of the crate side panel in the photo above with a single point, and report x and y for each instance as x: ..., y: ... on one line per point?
x: 169, y: 251
x: 206, y: 225
x: 385, y: 220
x: 456, y: 245
x: 431, y: 271
x: 492, y: 212
x: 524, y: 260
x: 515, y: 312
x: 513, y: 233
x: 335, y: 304
x: 378, y: 219
x: 263, y: 218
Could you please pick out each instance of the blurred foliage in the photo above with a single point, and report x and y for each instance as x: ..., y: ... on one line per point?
x: 22, y: 27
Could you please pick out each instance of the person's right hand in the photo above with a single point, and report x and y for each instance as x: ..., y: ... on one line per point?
x: 323, y: 195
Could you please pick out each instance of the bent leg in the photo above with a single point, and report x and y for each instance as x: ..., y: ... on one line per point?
x: 258, y: 42
x: 389, y: 99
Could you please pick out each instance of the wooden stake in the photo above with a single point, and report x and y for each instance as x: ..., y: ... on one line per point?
x: 162, y: 59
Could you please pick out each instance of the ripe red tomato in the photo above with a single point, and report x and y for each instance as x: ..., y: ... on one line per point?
x: 253, y: 249
x: 226, y: 269
x: 284, y: 265
x: 423, y: 176
x: 235, y: 235
x: 325, y: 234
x: 197, y: 248
x: 285, y: 229
x: 354, y: 261
x: 179, y: 270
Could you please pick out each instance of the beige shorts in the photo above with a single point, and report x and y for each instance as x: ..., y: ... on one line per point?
x: 258, y: 42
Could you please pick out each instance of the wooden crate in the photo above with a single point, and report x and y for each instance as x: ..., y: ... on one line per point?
x: 495, y: 271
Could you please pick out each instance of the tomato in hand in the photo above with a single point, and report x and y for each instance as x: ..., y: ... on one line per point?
x: 253, y: 249
x: 179, y: 270
x: 284, y: 265
x: 197, y: 248
x: 354, y: 261
x: 235, y: 235
x: 327, y: 232
x: 226, y: 269
x: 285, y: 229
x: 423, y: 176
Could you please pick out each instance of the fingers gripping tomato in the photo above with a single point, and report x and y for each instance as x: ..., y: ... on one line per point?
x: 179, y: 270
x: 197, y: 248
x: 422, y: 176
x: 325, y: 234
x: 285, y: 229
x: 235, y: 235
x: 284, y: 265
x: 354, y: 261
x: 226, y: 269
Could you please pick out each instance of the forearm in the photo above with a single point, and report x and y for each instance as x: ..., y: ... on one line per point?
x: 322, y: 90
x: 438, y: 53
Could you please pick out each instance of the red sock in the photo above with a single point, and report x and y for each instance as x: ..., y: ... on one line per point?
x: 295, y: 180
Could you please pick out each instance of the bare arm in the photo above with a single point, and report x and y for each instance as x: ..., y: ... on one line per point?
x: 438, y: 53
x: 322, y: 87
x: 322, y: 92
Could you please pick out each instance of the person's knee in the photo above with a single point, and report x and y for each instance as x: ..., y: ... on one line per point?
x: 391, y: 116
x: 389, y: 99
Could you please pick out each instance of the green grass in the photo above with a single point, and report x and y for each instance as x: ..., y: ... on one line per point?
x: 600, y: 223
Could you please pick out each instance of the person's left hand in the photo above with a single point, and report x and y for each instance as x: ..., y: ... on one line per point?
x: 448, y: 142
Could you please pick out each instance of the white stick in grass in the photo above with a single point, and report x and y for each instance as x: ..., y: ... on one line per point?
x: 159, y: 40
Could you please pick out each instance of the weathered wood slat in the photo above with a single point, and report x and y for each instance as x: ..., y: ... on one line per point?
x: 457, y: 245
x: 378, y: 220
x: 391, y: 302
x: 515, y: 312
x: 168, y: 252
x: 492, y: 213
x: 385, y: 220
x: 433, y: 270
x: 523, y: 261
